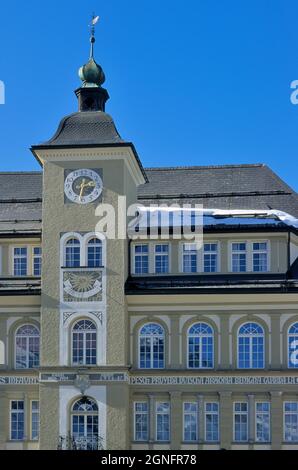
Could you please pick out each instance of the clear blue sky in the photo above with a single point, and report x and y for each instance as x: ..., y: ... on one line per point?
x: 197, y: 82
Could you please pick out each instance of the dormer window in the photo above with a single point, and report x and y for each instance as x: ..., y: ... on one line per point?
x: 260, y: 256
x: 239, y: 257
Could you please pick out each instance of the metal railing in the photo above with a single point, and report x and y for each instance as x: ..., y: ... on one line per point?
x: 80, y: 443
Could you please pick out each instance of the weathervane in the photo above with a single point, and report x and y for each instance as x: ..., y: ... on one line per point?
x: 94, y: 20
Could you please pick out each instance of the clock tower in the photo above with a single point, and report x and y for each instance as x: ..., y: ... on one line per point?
x: 87, y: 169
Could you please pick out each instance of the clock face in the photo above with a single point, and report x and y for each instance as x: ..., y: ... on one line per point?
x: 83, y: 186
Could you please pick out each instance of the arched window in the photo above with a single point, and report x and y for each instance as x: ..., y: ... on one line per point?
x: 94, y: 253
x: 293, y: 346
x: 151, y: 347
x: 251, y: 354
x: 200, y: 346
x: 72, y: 256
x: 84, y: 343
x: 27, y: 347
x: 84, y: 424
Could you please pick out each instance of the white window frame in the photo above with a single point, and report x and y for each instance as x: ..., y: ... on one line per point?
x: 284, y: 420
x: 151, y: 347
x: 197, y: 420
x: 161, y: 254
x: 218, y: 264
x: 249, y: 255
x: 133, y: 258
x: 213, y: 346
x: 288, y: 335
x: 10, y: 420
x: 231, y: 251
x: 83, y: 333
x: 27, y: 257
x: 181, y: 257
x: 268, y: 251
x: 156, y: 423
x: 212, y: 413
x: 134, y: 419
x: 234, y: 422
x: 27, y: 355
x: 256, y: 412
x: 32, y: 412
x: 35, y: 256
x: 250, y: 346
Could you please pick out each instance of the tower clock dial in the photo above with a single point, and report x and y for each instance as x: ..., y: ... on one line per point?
x: 83, y: 186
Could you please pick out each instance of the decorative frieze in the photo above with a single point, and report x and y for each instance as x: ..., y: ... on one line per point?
x: 18, y: 380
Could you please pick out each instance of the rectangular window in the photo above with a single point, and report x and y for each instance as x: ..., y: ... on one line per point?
x: 20, y: 261
x: 17, y: 420
x: 240, y: 422
x: 210, y: 258
x: 260, y: 256
x: 239, y: 257
x: 141, y: 421
x: 35, y: 420
x: 263, y: 422
x: 163, y: 421
x: 190, y: 420
x: 37, y: 260
x: 161, y: 258
x: 212, y: 422
x: 291, y: 421
x: 141, y: 259
x: 189, y: 258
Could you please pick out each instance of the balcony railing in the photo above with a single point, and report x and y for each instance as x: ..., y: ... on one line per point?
x: 80, y: 443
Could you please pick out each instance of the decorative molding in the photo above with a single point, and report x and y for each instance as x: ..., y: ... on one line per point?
x: 82, y: 285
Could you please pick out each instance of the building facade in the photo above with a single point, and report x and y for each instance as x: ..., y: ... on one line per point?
x: 153, y: 340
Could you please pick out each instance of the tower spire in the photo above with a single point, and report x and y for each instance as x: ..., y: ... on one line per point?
x: 91, y: 95
x: 94, y: 20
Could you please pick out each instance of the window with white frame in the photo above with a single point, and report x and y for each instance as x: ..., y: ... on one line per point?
x: 94, y: 253
x: 263, y: 421
x: 161, y: 258
x: 27, y: 347
x: 240, y: 421
x: 291, y: 421
x: 84, y: 335
x: 17, y: 420
x: 35, y: 420
x: 251, y: 346
x: 239, y: 257
x: 20, y: 261
x: 211, y: 421
x: 84, y: 424
x: 36, y: 261
x: 210, y: 257
x: 200, y: 346
x: 293, y: 346
x: 190, y: 421
x: 152, y: 347
x: 260, y: 256
x: 163, y: 421
x: 72, y: 253
x: 141, y: 419
x: 141, y: 259
x: 190, y: 257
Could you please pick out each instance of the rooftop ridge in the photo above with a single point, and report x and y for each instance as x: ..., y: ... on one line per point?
x: 203, y: 167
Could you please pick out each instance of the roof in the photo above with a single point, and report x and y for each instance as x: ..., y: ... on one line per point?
x: 247, y: 186
x: 254, y: 187
x: 85, y: 128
